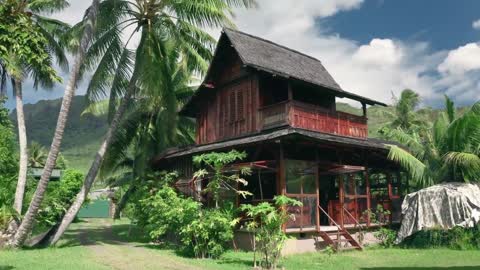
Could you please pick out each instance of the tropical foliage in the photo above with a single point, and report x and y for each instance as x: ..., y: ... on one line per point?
x: 168, y: 216
x: 8, y: 159
x: 220, y: 181
x: 446, y: 152
x: 265, y: 221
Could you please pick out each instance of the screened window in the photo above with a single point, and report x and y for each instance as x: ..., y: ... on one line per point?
x: 300, y: 177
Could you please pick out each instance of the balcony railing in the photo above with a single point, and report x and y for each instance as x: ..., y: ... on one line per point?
x: 306, y: 116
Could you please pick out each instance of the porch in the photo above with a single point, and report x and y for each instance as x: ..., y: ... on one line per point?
x: 334, y: 196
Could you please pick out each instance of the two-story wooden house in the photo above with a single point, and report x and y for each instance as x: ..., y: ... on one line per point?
x: 279, y: 106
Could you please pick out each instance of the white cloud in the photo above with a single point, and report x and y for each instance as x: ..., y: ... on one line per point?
x: 374, y: 70
x: 462, y: 59
x: 379, y: 52
x: 476, y: 24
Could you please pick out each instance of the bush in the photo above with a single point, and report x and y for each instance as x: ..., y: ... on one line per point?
x: 456, y: 238
x: 59, y: 197
x: 166, y: 212
x: 386, y: 236
x: 266, y: 221
x: 209, y: 235
x: 163, y: 212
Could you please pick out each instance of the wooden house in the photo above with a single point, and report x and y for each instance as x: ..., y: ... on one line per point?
x: 279, y: 105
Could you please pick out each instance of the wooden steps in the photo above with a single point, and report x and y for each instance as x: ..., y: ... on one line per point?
x: 340, y: 240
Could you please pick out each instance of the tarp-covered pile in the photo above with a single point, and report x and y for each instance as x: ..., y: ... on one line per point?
x: 440, y: 206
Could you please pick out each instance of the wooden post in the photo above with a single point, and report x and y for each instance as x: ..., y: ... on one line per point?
x: 281, y: 178
x: 317, y: 183
x: 290, y: 91
x: 369, y: 206
x: 342, y: 200
x: 364, y: 109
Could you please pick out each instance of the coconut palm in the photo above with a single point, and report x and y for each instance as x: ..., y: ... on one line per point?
x: 25, y: 20
x: 449, y: 151
x: 86, y: 30
x: 154, y: 21
x: 142, y: 134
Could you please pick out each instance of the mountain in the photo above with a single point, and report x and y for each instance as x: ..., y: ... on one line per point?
x: 83, y: 134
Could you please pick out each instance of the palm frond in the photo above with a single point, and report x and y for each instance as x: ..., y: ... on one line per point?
x: 416, y: 169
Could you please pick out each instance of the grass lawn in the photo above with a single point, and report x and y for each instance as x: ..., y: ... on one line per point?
x: 101, y: 244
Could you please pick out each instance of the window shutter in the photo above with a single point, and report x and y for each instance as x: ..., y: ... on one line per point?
x: 233, y: 109
x: 240, y: 105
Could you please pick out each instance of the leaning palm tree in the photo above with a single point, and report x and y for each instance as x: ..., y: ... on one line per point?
x: 142, y: 133
x: 447, y: 152
x: 86, y: 31
x: 16, y: 66
x: 155, y: 21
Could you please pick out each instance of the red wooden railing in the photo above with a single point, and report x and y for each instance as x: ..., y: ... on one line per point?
x: 302, y: 115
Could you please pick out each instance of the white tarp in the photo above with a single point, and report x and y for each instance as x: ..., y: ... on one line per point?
x: 440, y: 206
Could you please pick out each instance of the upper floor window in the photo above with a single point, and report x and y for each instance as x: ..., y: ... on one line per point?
x: 236, y: 104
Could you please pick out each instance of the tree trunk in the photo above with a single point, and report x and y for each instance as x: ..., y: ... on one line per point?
x: 94, y: 168
x: 123, y: 201
x: 22, y: 140
x: 27, y: 223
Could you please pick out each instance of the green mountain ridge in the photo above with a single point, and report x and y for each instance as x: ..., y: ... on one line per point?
x: 84, y: 133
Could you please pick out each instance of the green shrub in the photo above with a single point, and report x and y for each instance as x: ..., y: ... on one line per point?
x: 210, y: 233
x: 456, y: 238
x: 60, y: 195
x: 386, y: 236
x: 167, y: 212
x: 265, y: 220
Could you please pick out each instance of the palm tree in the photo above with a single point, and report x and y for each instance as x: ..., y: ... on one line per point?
x: 449, y: 151
x: 17, y: 65
x: 86, y: 31
x: 37, y: 155
x: 405, y: 115
x: 142, y: 134
x: 155, y: 21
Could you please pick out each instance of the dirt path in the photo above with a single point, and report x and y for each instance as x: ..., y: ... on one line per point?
x: 107, y: 250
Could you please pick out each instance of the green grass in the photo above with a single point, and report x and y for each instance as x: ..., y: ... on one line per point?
x: 102, y: 244
x: 74, y: 258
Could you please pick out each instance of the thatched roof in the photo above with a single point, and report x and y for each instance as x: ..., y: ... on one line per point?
x: 267, y: 56
x: 274, y: 58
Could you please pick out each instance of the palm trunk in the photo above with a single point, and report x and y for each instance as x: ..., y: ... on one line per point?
x: 22, y: 141
x: 94, y: 168
x: 27, y: 223
x: 123, y: 201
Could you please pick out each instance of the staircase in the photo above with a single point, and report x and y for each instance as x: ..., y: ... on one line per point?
x: 339, y: 239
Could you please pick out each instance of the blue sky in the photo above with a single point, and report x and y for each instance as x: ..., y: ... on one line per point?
x: 444, y: 24
x: 373, y: 48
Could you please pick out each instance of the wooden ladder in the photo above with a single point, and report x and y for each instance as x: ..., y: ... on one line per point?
x: 339, y: 239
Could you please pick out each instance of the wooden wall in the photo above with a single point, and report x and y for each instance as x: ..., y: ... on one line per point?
x: 232, y: 111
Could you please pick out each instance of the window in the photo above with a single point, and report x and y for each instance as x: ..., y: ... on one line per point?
x: 237, y: 107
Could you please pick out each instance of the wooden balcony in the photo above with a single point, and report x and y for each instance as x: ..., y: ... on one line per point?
x: 306, y: 116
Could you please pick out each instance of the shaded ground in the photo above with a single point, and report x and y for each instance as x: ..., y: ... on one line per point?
x: 101, y: 244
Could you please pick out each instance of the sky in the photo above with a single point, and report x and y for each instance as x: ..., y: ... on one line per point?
x: 374, y: 48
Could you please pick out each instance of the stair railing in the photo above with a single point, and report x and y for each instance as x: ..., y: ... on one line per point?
x: 339, y: 228
x: 356, y: 223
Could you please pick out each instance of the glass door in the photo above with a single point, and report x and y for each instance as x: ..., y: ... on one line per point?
x: 355, y: 198
x: 302, y: 185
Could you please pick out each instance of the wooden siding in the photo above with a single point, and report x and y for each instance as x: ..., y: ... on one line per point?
x: 232, y: 112
x: 310, y: 117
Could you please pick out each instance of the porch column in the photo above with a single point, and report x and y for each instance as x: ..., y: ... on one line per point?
x: 369, y: 206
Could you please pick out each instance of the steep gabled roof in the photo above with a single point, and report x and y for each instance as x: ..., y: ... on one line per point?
x: 273, y: 58
x: 267, y: 56
x: 277, y: 59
